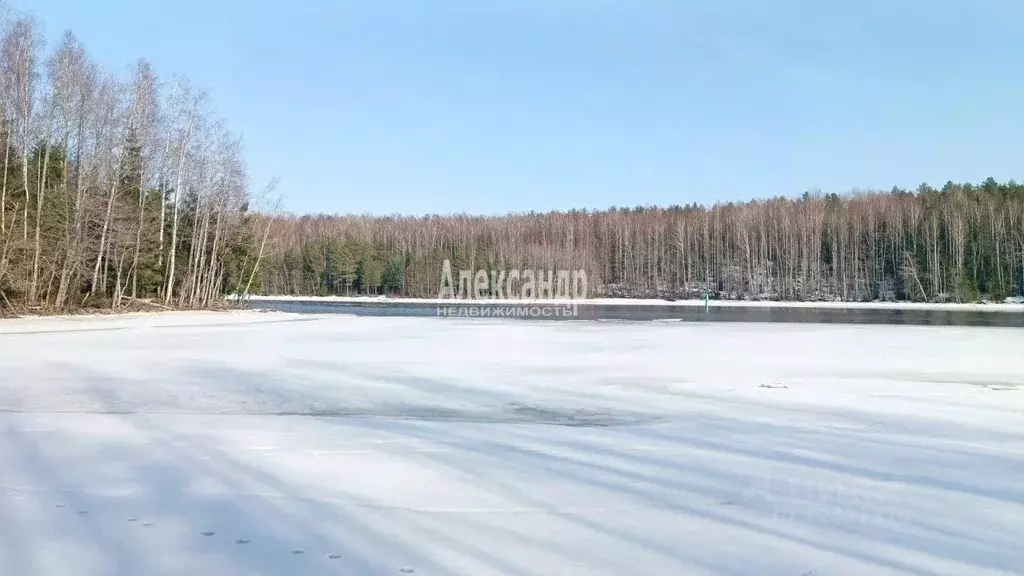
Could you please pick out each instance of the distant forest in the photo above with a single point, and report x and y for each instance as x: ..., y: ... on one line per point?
x: 958, y: 243
x: 116, y: 191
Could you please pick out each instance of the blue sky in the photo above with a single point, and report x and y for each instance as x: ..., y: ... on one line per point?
x: 490, y: 106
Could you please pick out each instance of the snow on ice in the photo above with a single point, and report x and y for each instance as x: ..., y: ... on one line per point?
x: 275, y: 444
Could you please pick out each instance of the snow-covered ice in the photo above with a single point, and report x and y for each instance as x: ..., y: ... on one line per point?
x: 276, y: 444
x: 1011, y: 304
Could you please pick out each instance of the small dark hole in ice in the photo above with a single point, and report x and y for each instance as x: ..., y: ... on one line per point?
x: 207, y: 533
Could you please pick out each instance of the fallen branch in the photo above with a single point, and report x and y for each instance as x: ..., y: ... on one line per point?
x: 150, y: 303
x: 8, y: 302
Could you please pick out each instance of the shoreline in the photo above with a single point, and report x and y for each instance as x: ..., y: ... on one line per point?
x: 604, y: 302
x: 931, y: 306
x: 63, y: 323
x: 139, y: 308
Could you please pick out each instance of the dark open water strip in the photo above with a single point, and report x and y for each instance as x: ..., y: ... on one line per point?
x: 644, y: 313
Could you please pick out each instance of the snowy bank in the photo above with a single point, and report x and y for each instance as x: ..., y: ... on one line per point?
x: 125, y: 320
x: 992, y: 307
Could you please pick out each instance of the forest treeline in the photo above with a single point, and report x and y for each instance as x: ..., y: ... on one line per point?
x: 114, y: 188
x: 961, y: 242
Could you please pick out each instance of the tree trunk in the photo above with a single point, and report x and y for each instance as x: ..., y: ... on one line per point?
x: 103, y: 238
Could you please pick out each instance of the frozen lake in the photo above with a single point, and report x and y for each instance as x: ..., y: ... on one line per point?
x: 1002, y: 315
x: 284, y: 444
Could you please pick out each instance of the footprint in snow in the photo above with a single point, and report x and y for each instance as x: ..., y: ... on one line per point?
x: 131, y: 519
x: 147, y: 525
x: 298, y: 551
x: 334, y: 556
x: 241, y: 541
x: 207, y: 533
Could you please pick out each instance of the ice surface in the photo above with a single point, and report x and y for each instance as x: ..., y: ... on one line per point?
x: 276, y: 444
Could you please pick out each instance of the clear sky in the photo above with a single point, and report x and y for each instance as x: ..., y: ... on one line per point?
x: 489, y: 106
